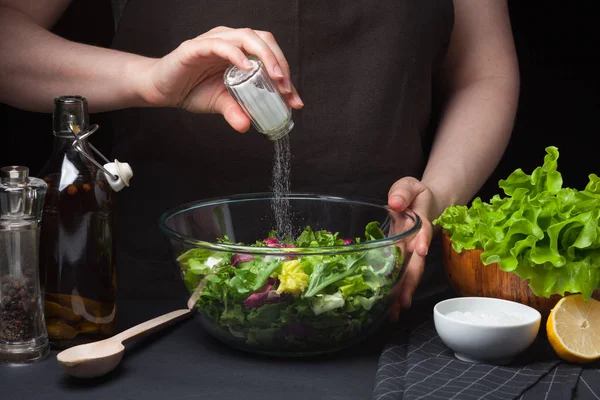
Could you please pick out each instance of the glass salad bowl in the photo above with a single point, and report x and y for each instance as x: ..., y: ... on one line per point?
x: 302, y: 274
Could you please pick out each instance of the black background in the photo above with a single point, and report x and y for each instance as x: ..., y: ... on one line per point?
x: 556, y: 45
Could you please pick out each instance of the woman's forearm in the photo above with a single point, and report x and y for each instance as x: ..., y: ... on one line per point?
x: 471, y: 139
x: 480, y: 78
x: 36, y: 66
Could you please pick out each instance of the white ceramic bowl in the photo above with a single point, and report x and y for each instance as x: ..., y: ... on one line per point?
x: 485, y: 329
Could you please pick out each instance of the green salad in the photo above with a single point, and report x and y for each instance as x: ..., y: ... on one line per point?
x: 293, y: 301
x: 539, y: 230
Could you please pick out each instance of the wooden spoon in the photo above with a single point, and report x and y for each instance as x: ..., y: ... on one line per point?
x: 95, y: 359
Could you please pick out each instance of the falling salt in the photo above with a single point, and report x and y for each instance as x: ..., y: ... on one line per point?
x: 281, y: 184
x: 496, y: 318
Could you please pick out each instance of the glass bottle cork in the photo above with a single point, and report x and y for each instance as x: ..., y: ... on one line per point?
x: 258, y: 96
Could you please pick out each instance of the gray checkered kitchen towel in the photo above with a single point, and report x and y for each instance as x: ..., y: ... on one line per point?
x: 417, y: 365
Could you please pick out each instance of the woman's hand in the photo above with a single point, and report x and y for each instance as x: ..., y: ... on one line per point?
x: 191, y: 76
x: 411, y: 193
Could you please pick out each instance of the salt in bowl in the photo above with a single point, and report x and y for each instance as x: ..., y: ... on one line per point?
x: 485, y: 329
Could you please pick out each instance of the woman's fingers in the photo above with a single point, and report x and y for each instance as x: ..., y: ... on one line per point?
x: 285, y: 82
x: 231, y: 111
x: 191, y: 76
x: 404, y: 291
x: 194, y: 52
x: 264, y: 46
x: 403, y: 192
x: 423, y: 239
x: 414, y: 272
x: 294, y: 99
x: 251, y: 43
x: 411, y: 193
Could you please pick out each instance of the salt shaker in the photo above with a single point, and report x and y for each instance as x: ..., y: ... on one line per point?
x: 258, y: 96
x: 23, y: 334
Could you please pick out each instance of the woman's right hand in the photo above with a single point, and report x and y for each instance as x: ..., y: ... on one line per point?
x: 191, y: 76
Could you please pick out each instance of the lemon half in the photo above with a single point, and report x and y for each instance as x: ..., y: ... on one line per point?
x: 573, y: 329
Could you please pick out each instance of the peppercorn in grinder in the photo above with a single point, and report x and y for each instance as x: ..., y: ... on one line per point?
x: 23, y: 335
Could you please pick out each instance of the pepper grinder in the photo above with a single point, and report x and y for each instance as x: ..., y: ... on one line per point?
x: 23, y: 334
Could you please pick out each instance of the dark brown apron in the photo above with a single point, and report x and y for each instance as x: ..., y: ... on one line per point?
x: 365, y: 71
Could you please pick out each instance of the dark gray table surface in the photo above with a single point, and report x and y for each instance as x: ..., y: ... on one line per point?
x: 184, y: 362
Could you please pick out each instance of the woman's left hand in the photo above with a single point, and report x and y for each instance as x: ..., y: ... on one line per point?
x: 411, y: 193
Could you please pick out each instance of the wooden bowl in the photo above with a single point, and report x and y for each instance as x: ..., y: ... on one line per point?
x: 468, y: 276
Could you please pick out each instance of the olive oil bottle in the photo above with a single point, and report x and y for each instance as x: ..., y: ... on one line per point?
x: 77, y: 266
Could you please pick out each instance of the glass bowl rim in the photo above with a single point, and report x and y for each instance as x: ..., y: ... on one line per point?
x: 286, y: 251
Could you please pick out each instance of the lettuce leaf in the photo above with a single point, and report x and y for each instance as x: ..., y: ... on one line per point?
x: 541, y: 231
x: 346, y: 292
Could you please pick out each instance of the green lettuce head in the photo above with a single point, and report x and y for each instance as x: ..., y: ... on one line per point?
x: 538, y: 230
